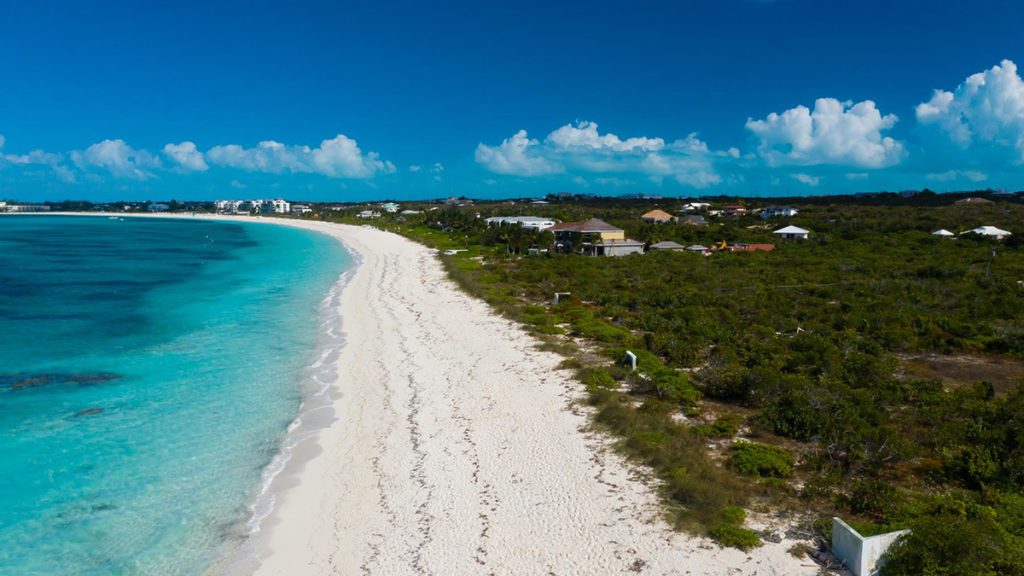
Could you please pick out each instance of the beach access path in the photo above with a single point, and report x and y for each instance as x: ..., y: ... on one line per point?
x: 457, y: 447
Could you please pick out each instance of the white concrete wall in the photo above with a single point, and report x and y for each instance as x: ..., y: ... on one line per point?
x: 861, y: 556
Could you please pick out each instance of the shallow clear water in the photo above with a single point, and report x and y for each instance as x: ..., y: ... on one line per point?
x: 148, y: 372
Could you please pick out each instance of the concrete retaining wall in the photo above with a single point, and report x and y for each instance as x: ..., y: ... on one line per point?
x: 861, y: 556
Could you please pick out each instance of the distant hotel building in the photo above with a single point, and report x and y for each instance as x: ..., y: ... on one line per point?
x: 5, y: 207
x: 275, y: 206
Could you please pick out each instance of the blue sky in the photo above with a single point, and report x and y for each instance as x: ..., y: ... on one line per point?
x: 350, y: 101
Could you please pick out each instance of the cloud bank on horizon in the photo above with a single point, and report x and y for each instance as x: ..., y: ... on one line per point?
x: 971, y: 130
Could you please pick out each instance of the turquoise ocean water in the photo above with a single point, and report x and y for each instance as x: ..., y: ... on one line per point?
x: 149, y: 370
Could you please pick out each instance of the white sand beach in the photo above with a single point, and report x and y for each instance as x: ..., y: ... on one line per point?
x: 456, y: 448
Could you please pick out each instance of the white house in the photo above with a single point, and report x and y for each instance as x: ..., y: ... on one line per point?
x: 301, y: 209
x: 531, y: 222
x: 779, y: 212
x: 792, y: 233
x: 944, y: 233
x: 389, y: 207
x: 695, y: 206
x: 990, y: 231
x: 368, y: 214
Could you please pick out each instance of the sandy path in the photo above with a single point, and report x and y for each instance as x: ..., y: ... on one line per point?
x: 455, y: 450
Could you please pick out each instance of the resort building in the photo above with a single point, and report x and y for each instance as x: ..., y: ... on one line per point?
x: 989, y: 231
x: 668, y: 245
x: 792, y: 233
x: 594, y: 237
x: 530, y: 222
x: 301, y: 209
x: 389, y: 207
x: 657, y: 216
x: 368, y: 214
x: 275, y: 206
x: 779, y: 212
x: 24, y: 208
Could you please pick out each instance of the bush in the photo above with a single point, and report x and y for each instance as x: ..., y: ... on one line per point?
x: 762, y: 460
x: 734, y: 515
x: 968, y: 542
x: 735, y: 537
x: 594, y: 378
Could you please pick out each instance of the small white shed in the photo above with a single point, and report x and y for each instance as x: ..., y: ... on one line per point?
x: 792, y: 233
x: 990, y: 231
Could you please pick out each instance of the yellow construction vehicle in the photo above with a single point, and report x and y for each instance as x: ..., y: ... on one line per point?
x: 719, y: 246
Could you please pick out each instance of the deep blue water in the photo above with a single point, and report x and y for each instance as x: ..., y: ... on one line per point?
x: 148, y: 372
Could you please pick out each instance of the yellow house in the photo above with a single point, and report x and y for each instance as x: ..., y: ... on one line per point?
x: 595, y: 237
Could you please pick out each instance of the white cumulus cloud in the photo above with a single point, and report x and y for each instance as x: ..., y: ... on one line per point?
x: 582, y: 148
x: 186, y: 156
x: 840, y: 133
x: 518, y: 156
x: 338, y: 157
x: 584, y: 135
x: 117, y: 158
x: 987, y: 107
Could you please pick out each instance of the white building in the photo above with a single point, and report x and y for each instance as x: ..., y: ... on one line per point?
x: 793, y: 233
x: 26, y: 208
x: 696, y: 206
x: 301, y: 209
x: 389, y: 207
x: 989, y: 231
x: 531, y: 222
x: 368, y: 214
x: 779, y: 212
x: 275, y: 206
x: 943, y: 232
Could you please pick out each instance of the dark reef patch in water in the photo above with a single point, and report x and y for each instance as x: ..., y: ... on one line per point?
x: 22, y: 381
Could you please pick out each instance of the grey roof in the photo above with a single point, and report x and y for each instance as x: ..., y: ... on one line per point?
x: 592, y: 225
x: 667, y: 245
x: 697, y: 247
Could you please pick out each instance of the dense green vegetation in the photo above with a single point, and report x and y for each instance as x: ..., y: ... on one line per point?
x: 803, y: 350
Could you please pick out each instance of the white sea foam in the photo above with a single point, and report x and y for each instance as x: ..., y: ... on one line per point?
x: 314, y: 414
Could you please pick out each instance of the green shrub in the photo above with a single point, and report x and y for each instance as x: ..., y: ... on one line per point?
x: 727, y: 425
x: 762, y: 460
x: 597, y: 378
x: 968, y: 542
x: 734, y: 537
x: 734, y: 515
